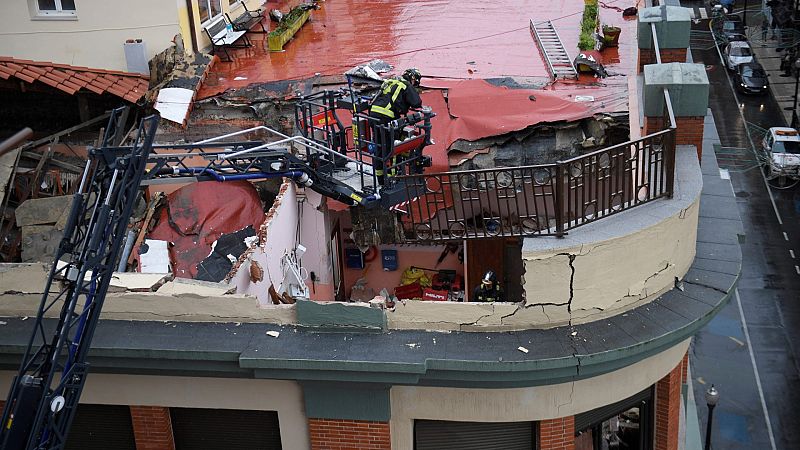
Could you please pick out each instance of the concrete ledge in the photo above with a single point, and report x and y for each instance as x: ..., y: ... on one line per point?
x: 338, y: 316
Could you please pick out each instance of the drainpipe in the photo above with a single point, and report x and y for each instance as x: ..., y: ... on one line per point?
x: 192, y: 32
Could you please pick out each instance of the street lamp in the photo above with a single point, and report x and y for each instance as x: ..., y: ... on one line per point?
x: 712, y: 397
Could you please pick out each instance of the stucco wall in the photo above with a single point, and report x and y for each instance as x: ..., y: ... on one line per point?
x: 94, y: 37
x: 523, y: 404
x: 279, y: 235
x: 285, y: 397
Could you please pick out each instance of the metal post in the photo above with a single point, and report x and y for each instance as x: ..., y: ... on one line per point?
x: 712, y: 397
x: 708, y: 427
x: 744, y: 15
x: 558, y: 202
x: 794, y: 99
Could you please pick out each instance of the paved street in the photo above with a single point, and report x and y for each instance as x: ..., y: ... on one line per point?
x: 749, y: 351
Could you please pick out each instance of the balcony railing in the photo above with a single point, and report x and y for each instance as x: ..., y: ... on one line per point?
x: 540, y: 200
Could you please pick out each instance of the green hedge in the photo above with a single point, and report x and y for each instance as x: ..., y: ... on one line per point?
x: 588, y: 26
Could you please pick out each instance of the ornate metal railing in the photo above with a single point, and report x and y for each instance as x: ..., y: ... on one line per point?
x: 541, y: 200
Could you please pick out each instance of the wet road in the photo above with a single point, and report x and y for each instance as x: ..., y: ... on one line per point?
x: 749, y: 351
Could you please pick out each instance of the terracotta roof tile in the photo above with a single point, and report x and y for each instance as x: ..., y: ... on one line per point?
x: 47, y: 81
x: 97, y: 90
x: 70, y: 79
x: 66, y: 84
x: 24, y: 77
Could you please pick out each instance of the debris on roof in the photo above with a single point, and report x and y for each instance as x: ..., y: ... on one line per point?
x: 198, y: 214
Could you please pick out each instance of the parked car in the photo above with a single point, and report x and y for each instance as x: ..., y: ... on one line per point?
x: 733, y: 28
x: 737, y: 52
x: 751, y: 78
x: 781, y: 147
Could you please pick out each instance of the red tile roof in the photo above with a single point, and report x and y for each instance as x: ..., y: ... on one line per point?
x: 71, y: 79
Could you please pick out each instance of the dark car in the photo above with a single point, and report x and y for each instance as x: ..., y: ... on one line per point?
x: 751, y: 78
x: 733, y: 28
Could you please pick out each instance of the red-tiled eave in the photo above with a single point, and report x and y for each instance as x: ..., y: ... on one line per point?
x: 71, y: 79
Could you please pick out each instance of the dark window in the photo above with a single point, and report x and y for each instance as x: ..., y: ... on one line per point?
x: 56, y: 6
x: 627, y: 424
x: 741, y: 51
x: 792, y: 147
x: 101, y: 427
x: 445, y: 435
x: 225, y: 429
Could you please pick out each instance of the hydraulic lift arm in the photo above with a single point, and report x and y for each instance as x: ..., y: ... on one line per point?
x: 43, y: 398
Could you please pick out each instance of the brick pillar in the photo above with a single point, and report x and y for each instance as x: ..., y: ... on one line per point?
x: 345, y: 434
x: 668, y: 406
x: 685, y: 368
x: 668, y: 55
x: 689, y: 132
x: 557, y: 434
x: 152, y: 428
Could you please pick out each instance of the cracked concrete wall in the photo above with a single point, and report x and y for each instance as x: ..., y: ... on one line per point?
x: 601, y: 279
x: 134, y: 296
x: 524, y: 404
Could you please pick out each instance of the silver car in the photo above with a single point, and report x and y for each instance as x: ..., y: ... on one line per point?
x: 782, y: 157
x: 737, y: 52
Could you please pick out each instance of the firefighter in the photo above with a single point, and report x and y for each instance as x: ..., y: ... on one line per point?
x: 396, y: 96
x: 393, y: 100
x: 489, y: 289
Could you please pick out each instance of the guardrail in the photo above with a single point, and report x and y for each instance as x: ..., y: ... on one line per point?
x: 541, y: 200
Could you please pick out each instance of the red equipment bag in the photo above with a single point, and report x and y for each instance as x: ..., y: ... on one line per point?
x: 413, y: 290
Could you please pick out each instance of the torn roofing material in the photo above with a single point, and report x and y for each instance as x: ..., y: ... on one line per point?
x: 475, y: 109
x: 199, y: 213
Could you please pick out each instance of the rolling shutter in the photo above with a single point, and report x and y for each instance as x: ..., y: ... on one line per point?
x: 443, y: 435
x: 101, y: 427
x: 225, y: 429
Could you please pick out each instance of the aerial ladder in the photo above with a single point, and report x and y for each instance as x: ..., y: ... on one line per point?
x: 324, y: 157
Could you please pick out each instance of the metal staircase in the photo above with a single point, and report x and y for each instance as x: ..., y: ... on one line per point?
x: 558, y: 61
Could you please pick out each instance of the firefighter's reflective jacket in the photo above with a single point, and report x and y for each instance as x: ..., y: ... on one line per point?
x: 394, y: 99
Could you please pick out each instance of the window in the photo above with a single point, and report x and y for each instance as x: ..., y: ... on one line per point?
x: 209, y: 9
x: 55, y: 7
x: 792, y: 147
x: 741, y: 51
x: 627, y: 424
x: 232, y: 2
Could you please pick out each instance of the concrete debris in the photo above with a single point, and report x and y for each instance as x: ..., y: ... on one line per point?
x: 273, y: 333
x: 154, y: 256
x: 181, y: 287
x: 256, y: 272
x: 522, y: 349
x: 40, y: 211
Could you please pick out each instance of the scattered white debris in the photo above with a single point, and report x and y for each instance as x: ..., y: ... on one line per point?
x: 522, y: 349
x: 573, y: 333
x: 413, y: 345
x: 25, y: 318
x: 584, y: 98
x: 173, y: 103
x: 232, y: 258
x: 239, y: 78
x: 273, y: 333
x: 3, y: 322
x: 249, y: 241
x: 238, y: 324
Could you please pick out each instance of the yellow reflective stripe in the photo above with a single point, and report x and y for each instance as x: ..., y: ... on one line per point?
x: 400, y: 87
x: 381, y: 110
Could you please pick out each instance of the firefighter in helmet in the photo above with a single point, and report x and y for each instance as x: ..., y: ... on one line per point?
x: 396, y: 96
x: 488, y: 290
x: 393, y: 100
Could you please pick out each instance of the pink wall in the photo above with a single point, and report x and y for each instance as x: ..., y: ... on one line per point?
x: 278, y: 235
x: 419, y: 256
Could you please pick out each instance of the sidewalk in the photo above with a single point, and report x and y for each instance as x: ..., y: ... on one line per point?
x: 782, y: 87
